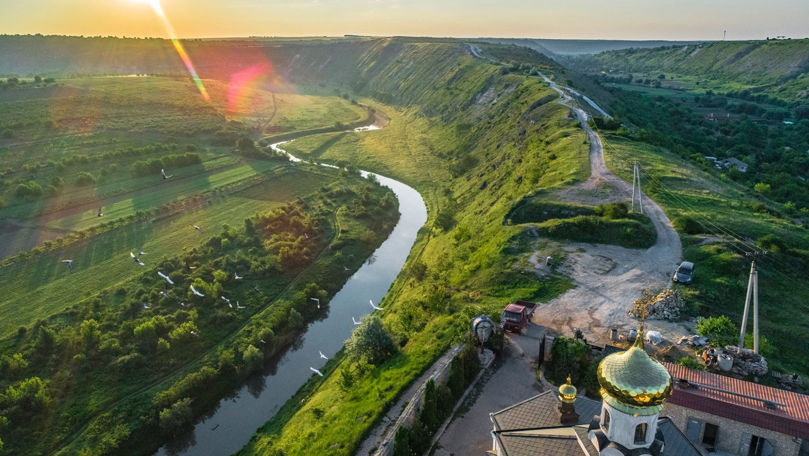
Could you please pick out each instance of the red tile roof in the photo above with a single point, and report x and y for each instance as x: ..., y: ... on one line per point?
x: 790, y: 417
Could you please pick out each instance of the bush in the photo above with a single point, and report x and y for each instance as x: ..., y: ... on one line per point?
x: 29, y: 189
x: 719, y: 331
x: 689, y: 362
x: 370, y: 342
x: 176, y: 416
x: 687, y: 225
x: 253, y: 358
x: 613, y: 211
x: 84, y: 179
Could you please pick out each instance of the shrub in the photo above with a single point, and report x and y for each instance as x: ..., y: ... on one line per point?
x: 719, y: 331
x: 688, y: 225
x: 401, y: 442
x: 253, y: 358
x: 84, y: 179
x: 370, y: 342
x: 613, y: 211
x: 176, y: 416
x: 29, y: 189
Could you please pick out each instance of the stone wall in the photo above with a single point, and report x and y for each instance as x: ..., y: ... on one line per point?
x: 440, y: 374
x: 732, y: 435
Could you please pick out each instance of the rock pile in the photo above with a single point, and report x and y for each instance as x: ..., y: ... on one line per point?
x: 694, y: 340
x: 667, y: 305
x: 746, y: 363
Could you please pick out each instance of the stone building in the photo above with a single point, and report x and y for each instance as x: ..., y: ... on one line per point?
x: 625, y: 423
x: 730, y: 416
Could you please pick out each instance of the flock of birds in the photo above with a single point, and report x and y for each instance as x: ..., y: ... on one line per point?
x: 353, y: 319
x: 236, y: 276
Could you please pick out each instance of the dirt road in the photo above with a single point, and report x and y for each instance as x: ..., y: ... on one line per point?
x: 609, y: 278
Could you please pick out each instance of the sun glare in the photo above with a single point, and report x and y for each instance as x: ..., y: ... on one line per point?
x: 178, y: 46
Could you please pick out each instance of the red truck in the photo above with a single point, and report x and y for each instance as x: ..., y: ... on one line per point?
x: 517, y: 315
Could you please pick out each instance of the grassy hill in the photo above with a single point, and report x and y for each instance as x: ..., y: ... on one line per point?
x: 777, y: 69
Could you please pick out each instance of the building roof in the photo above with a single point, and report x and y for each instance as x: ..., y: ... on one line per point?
x: 633, y: 382
x: 531, y: 428
x: 540, y: 412
x: 784, y: 411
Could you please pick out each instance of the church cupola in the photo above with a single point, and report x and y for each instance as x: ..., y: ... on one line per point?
x: 633, y: 387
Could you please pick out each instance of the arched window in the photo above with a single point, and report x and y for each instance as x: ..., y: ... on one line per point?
x: 606, y: 422
x: 640, y: 433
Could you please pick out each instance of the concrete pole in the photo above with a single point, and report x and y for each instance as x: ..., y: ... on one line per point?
x: 755, y: 311
x: 634, y: 179
x: 747, y: 305
x: 640, y: 193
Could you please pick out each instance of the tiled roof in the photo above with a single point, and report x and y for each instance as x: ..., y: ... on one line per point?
x: 790, y: 416
x: 515, y: 444
x: 532, y: 428
x: 540, y: 411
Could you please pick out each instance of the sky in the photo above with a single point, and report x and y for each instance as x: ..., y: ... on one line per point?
x: 606, y: 19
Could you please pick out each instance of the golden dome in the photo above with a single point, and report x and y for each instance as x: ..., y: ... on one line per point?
x: 633, y: 382
x: 567, y: 392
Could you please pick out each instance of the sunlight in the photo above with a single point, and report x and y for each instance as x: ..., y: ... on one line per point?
x: 178, y: 46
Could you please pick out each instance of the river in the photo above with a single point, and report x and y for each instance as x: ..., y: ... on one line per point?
x: 236, y: 419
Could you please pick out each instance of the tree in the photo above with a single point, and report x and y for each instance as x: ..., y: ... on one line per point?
x: 370, y: 342
x: 145, y: 336
x: 90, y: 334
x: 176, y: 416
x: 253, y: 358
x: 719, y: 331
x: 401, y: 442
x: 430, y: 415
x: 84, y: 179
x: 761, y: 187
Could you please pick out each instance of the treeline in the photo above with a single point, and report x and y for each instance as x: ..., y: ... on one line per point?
x: 776, y: 153
x: 153, y: 166
x: 145, y: 330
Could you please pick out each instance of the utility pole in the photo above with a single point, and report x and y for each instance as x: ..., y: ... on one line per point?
x: 752, y: 292
x: 636, y: 179
x: 724, y: 35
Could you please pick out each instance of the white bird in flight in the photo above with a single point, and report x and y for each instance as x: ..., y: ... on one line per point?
x: 164, y: 294
x: 238, y: 306
x: 196, y: 227
x: 317, y: 301
x: 373, y: 305
x: 69, y: 264
x: 136, y: 259
x: 355, y: 321
x: 226, y: 300
x: 163, y: 173
x: 263, y: 341
x: 322, y: 355
x: 346, y: 268
x: 145, y: 306
x: 165, y: 277
x: 237, y: 276
x: 194, y: 333
x: 194, y: 290
x: 182, y: 304
x: 141, y: 252
x: 316, y: 371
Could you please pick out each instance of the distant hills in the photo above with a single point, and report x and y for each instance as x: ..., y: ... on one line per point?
x: 776, y: 68
x: 561, y: 48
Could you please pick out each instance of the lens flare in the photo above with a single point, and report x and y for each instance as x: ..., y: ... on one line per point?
x: 178, y: 46
x: 244, y: 85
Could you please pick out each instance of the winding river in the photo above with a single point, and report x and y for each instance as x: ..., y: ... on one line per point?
x: 236, y: 419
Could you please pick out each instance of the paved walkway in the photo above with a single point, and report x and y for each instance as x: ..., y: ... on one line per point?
x: 510, y: 382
